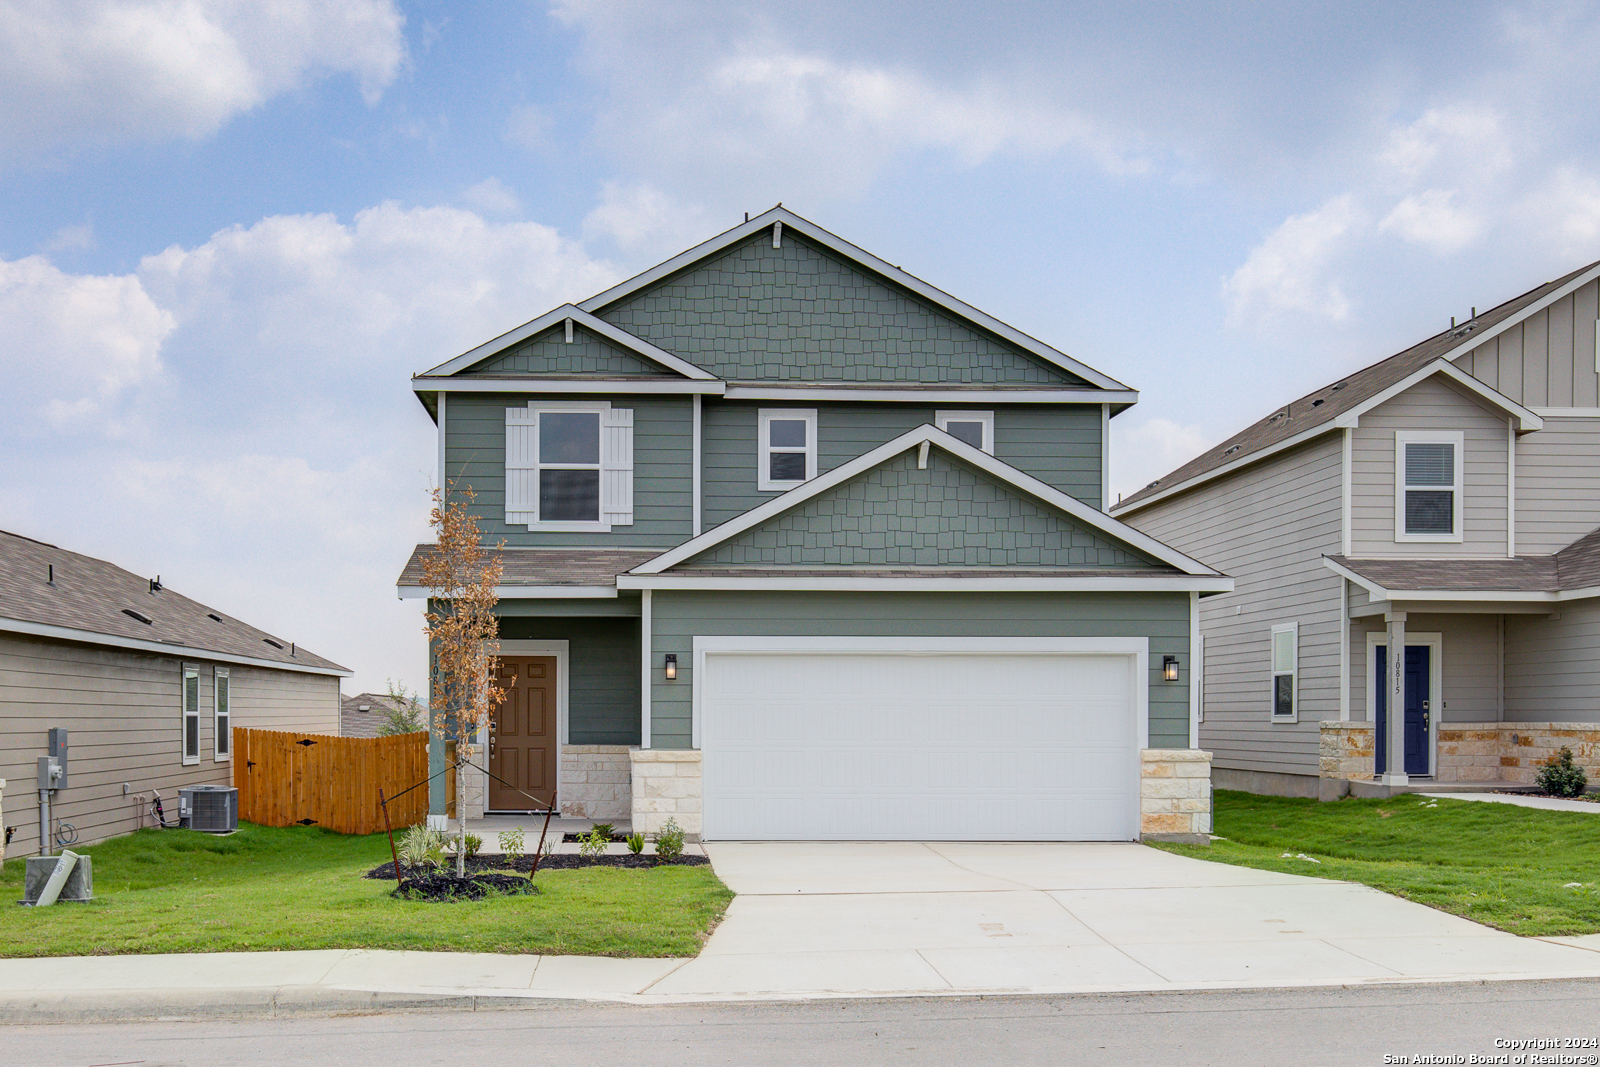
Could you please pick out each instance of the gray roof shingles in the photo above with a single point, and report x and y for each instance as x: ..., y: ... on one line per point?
x: 90, y: 595
x: 1321, y: 407
x: 1575, y: 567
x: 545, y: 566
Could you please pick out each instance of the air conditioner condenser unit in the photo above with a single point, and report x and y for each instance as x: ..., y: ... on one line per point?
x: 210, y: 809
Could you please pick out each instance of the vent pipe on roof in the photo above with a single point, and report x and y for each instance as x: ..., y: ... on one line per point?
x: 155, y: 584
x: 50, y: 573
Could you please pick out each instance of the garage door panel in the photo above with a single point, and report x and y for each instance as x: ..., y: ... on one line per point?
x: 890, y: 745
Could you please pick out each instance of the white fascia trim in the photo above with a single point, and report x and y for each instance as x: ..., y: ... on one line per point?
x: 961, y: 450
x: 618, y: 337
x: 844, y: 248
x: 89, y: 637
x: 932, y: 396
x: 1567, y: 413
x: 524, y: 592
x: 1177, y: 583
x: 1502, y: 596
x: 1475, y: 339
x: 1374, y: 590
x: 1527, y: 420
x: 561, y: 385
x: 1228, y: 468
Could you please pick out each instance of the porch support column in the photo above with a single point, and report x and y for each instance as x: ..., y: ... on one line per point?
x: 1395, y: 734
x: 647, y: 676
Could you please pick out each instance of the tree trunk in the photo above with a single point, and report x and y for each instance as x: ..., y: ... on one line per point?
x: 463, y: 754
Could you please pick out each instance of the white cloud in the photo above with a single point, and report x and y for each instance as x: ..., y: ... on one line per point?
x: 493, y: 197
x: 73, y: 343
x: 1565, y: 211
x: 150, y: 70
x: 1460, y: 136
x: 1146, y: 450
x: 1431, y: 218
x: 1287, y: 274
x: 641, y: 217
x: 72, y: 239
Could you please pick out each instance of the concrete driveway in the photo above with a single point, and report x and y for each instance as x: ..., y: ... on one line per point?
x: 906, y: 917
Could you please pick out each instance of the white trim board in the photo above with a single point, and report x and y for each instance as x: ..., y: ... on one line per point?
x: 89, y: 637
x: 1136, y: 647
x: 837, y: 245
x: 1474, y: 339
x: 1436, y: 708
x: 523, y: 592
x: 1026, y: 483
x: 563, y: 385
x: 1178, y: 583
x: 1514, y: 596
x: 619, y: 337
x: 919, y: 394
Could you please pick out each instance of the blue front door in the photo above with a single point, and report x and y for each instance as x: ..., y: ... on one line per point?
x: 1418, y: 714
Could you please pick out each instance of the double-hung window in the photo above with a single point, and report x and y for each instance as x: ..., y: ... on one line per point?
x: 976, y: 428
x: 788, y: 453
x: 1285, y: 672
x: 569, y: 466
x: 1427, y: 486
x: 191, y: 714
x: 222, y: 685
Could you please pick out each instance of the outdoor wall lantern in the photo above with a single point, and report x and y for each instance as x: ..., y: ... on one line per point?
x: 1169, y: 668
x: 672, y: 666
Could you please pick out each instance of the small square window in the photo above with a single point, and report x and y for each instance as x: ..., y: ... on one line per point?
x: 788, y: 448
x: 975, y: 428
x: 1428, y: 486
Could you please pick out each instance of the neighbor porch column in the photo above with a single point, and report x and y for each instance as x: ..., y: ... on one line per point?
x: 1394, y: 739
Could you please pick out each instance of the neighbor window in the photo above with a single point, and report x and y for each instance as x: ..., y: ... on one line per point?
x: 191, y: 714
x: 976, y: 428
x: 1427, y: 486
x: 569, y: 466
x: 223, y: 686
x: 788, y: 453
x: 1285, y: 670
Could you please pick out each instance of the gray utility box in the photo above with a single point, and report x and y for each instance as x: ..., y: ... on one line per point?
x: 80, y: 883
x: 211, y: 809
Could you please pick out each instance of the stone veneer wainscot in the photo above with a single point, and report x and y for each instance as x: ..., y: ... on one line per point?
x: 1175, y: 795
x: 1470, y: 751
x: 666, y: 785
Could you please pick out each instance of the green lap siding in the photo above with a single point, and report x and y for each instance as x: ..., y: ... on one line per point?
x: 678, y: 617
x: 663, y: 457
x: 602, y: 673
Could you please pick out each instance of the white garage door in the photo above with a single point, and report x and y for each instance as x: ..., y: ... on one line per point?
x: 818, y: 743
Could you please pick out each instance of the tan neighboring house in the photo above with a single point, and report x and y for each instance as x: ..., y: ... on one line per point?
x: 1446, y: 501
x: 147, y: 682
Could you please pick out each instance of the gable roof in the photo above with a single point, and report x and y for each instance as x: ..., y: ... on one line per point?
x: 1196, y: 574
x: 1325, y: 409
x: 89, y: 601
x: 789, y: 221
x: 622, y: 338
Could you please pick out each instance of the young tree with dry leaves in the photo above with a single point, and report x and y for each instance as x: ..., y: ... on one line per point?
x: 462, y: 632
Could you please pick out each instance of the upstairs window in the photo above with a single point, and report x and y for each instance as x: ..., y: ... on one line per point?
x: 569, y: 466
x: 1428, y: 486
x: 788, y: 453
x: 975, y: 428
x: 1285, y: 672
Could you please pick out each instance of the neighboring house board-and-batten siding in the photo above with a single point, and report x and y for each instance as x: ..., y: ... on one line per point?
x: 797, y: 545
x: 1450, y: 495
x: 148, y: 704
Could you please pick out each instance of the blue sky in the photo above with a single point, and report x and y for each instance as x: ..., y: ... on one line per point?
x: 232, y: 231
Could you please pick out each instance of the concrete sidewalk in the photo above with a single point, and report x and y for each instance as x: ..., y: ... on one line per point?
x: 876, y: 919
x: 1524, y: 800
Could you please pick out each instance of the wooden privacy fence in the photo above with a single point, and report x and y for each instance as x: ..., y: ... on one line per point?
x: 291, y: 779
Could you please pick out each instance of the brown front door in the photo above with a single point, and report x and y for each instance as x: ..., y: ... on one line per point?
x: 522, y: 737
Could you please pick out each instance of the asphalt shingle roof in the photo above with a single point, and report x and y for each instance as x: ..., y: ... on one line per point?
x: 94, y: 596
x: 1334, y: 399
x: 1575, y: 567
x: 545, y: 566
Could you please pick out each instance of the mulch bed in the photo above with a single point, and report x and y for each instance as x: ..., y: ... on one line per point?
x: 561, y: 861
x: 439, y: 887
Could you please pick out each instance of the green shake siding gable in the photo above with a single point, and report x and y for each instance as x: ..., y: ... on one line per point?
x: 677, y: 617
x: 475, y: 455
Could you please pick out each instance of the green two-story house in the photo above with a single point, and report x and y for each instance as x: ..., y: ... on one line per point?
x: 797, y: 546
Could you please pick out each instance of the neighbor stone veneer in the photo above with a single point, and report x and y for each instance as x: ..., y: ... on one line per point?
x: 595, y: 782
x: 666, y: 785
x: 1469, y: 751
x: 1175, y: 795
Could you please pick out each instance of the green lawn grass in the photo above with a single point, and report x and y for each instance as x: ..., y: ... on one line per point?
x: 1497, y: 864
x: 301, y: 888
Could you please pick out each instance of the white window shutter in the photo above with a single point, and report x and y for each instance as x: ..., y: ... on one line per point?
x: 616, y: 466
x: 522, y: 475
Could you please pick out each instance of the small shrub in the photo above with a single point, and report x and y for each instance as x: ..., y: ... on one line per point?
x: 511, y: 844
x: 608, y: 830
x: 549, y: 847
x: 1560, y: 776
x: 593, y: 843
x: 421, y: 847
x: 474, y: 843
x: 669, y: 842
x: 636, y: 842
